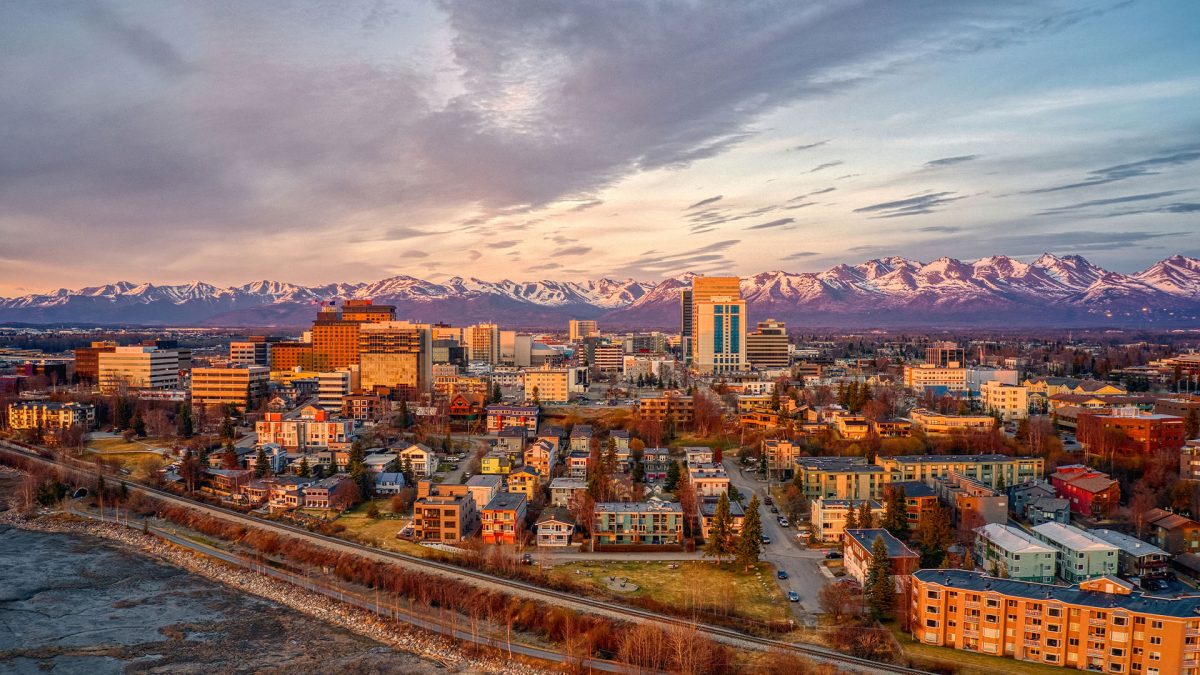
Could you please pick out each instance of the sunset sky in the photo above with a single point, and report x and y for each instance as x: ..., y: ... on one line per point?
x: 351, y: 141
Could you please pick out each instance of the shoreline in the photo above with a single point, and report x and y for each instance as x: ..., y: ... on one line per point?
x: 431, y: 647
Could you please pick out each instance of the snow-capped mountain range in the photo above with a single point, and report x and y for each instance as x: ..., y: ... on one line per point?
x: 992, y: 291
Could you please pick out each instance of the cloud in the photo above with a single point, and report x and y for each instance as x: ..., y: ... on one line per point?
x: 707, y: 257
x: 704, y: 202
x: 926, y: 203
x: 1149, y: 196
x: 416, y: 254
x: 772, y: 224
x: 584, y: 206
x: 1177, y: 207
x: 939, y: 228
x: 507, y: 243
x: 572, y: 250
x: 473, y: 255
x: 808, y: 146
x: 798, y: 255
x: 949, y: 161
x: 826, y: 165
x: 407, y: 232
x: 1151, y: 166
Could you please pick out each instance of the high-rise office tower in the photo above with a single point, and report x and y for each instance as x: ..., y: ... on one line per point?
x: 704, y: 291
x: 945, y: 355
x: 685, y: 323
x: 720, y: 334
x: 483, y: 342
x: 395, y: 354
x: 582, y: 328
x: 767, y: 347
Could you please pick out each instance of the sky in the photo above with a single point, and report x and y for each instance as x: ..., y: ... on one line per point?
x: 314, y: 142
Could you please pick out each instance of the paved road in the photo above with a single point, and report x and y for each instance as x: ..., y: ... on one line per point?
x: 785, y: 552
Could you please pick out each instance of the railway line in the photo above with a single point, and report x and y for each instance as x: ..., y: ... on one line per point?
x: 582, y: 603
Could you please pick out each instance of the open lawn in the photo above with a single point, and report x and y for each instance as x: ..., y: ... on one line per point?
x: 106, y: 446
x: 965, y: 663
x: 379, y: 532
x: 139, y: 463
x: 692, y: 583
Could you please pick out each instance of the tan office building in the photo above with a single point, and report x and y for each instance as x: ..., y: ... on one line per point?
x: 229, y: 386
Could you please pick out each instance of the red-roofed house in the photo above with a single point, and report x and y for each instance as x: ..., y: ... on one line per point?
x: 1090, y: 493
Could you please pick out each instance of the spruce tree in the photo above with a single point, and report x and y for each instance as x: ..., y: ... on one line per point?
x: 878, y: 588
x: 895, y: 517
x: 865, y: 519
x: 672, y: 475
x: 749, y: 545
x: 260, y: 463
x: 304, y: 471
x: 720, y: 533
x: 184, y: 422
x: 851, y: 517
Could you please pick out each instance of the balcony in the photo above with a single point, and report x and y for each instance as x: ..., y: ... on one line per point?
x: 1097, y: 622
x: 1096, y: 653
x: 1033, y: 613
x: 1192, y: 632
x: 1033, y: 643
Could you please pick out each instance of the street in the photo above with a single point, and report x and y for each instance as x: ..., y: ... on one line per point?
x: 802, y: 564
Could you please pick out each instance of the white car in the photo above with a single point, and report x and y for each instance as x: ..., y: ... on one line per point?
x: 783, y: 522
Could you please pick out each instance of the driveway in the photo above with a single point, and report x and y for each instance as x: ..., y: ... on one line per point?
x: 802, y: 564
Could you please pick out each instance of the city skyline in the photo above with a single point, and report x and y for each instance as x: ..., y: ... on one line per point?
x: 511, y: 141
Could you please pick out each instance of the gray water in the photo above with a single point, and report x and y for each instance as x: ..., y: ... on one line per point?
x: 81, y: 605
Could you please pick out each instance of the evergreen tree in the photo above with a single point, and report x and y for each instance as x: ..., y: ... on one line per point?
x: 184, y: 423
x: 536, y: 399
x: 672, y: 476
x: 139, y: 425
x: 228, y: 430
x: 123, y: 414
x: 749, y: 545
x: 402, y: 417
x: 720, y: 535
x: 934, y: 535
x: 358, y: 469
x: 865, y: 519
x: 260, y: 463
x: 878, y: 588
x: 304, y: 471
x: 895, y: 517
x: 851, y: 517
x: 1191, y: 424
x: 497, y: 395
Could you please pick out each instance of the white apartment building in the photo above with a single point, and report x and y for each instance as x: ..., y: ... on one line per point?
x: 1081, y: 555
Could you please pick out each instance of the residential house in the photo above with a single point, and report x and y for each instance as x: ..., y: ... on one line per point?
x: 1048, y: 510
x: 1081, y: 556
x: 287, y: 492
x: 1136, y: 557
x: 389, y: 483
x: 525, y: 481
x: 1091, y: 493
x: 555, y: 527
x: 709, y: 480
x: 971, y: 503
x: 320, y: 494
x: 444, y: 513
x: 581, y: 438
x: 577, y: 463
x: 1172, y: 532
x: 511, y: 440
x: 424, y: 461
x: 655, y: 462
x: 496, y: 462
x: 780, y: 455
x: 696, y: 456
x: 542, y: 455
x: 857, y: 548
x: 512, y: 416
x: 829, y: 516
x: 708, y: 510
x: 652, y: 523
x: 503, y: 519
x: 1011, y: 552
x: 483, y: 487
x: 1021, y: 494
x: 563, y: 489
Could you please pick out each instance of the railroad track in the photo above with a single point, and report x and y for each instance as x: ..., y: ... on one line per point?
x: 725, y: 635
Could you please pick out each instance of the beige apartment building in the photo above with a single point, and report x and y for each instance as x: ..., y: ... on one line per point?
x: 50, y: 415
x: 1007, y: 401
x: 928, y: 375
x: 229, y: 386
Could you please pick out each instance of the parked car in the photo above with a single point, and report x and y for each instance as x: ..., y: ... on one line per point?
x: 774, y: 509
x: 793, y: 596
x: 833, y: 555
x: 766, y: 539
x: 783, y: 522
x: 782, y: 574
x: 768, y: 501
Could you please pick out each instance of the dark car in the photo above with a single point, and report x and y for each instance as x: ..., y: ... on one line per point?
x: 782, y: 574
x: 774, y: 509
x: 793, y: 596
x: 833, y: 555
x: 766, y: 539
x: 768, y: 501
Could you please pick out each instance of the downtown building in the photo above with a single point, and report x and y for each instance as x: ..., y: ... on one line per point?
x: 138, y: 368
x: 767, y: 346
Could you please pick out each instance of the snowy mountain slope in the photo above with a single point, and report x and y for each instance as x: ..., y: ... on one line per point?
x: 1050, y: 290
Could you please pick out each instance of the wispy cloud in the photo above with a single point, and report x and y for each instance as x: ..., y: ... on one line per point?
x: 949, y: 161
x: 704, y: 202
x: 1120, y: 172
x: 912, y: 206
x: 826, y: 165
x: 1149, y: 196
x: 772, y: 224
x: 808, y: 146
